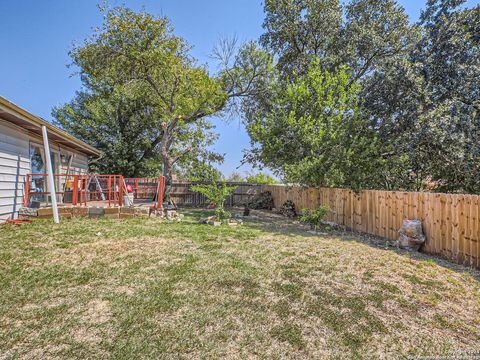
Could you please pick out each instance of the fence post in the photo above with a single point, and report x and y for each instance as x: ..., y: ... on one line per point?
x: 120, y: 191
x: 109, y: 188
x: 160, y: 191
x: 86, y: 188
x: 26, y: 190
x: 75, y: 190
x: 136, y: 188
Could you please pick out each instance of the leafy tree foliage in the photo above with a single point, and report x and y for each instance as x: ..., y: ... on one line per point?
x: 360, y: 34
x: 413, y: 95
x: 127, y: 129
x: 136, y: 58
x: 425, y: 106
x: 235, y: 177
x: 313, y: 133
x: 260, y: 178
x: 198, y: 170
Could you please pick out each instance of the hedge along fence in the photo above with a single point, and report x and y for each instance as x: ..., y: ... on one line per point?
x: 451, y: 222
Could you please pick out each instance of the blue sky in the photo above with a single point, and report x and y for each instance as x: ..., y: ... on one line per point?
x: 36, y: 35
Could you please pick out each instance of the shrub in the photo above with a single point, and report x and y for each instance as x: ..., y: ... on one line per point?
x: 262, y: 201
x: 314, y: 217
x: 222, y: 214
x: 217, y: 194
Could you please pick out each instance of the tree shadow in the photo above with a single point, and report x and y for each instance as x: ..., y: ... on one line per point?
x: 272, y: 222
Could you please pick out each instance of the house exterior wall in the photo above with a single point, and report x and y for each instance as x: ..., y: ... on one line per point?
x: 15, y: 164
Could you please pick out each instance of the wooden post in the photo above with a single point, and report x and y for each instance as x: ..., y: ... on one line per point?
x: 109, y: 189
x: 26, y: 190
x: 51, y: 181
x: 160, y: 191
x: 75, y: 190
x: 120, y: 191
x: 85, y: 190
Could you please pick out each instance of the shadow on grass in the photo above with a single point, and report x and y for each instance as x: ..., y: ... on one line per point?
x: 271, y: 222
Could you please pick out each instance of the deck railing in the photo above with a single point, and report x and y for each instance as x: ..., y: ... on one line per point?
x: 80, y: 189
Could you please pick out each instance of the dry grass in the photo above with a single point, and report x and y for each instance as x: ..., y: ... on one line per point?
x: 142, y: 288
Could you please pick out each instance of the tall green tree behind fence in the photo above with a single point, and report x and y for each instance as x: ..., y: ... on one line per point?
x: 417, y: 124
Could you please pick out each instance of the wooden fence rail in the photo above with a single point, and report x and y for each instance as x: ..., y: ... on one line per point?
x: 182, y: 194
x: 451, y: 222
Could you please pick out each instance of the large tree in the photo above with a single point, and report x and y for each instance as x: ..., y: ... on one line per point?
x: 345, y: 43
x: 126, y: 129
x: 360, y: 34
x: 425, y: 106
x: 313, y: 133
x: 419, y: 90
x: 137, y: 56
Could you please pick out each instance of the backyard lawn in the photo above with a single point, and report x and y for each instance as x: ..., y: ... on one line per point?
x: 144, y: 288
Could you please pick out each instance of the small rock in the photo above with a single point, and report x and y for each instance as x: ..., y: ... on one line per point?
x: 317, y: 233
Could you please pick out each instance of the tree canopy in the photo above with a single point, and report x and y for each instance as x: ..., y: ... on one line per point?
x: 409, y: 95
x: 334, y: 93
x: 146, y: 101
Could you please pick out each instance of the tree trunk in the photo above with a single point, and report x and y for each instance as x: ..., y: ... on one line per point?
x: 167, y: 171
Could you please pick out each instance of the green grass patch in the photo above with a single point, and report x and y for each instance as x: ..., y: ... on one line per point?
x: 147, y: 288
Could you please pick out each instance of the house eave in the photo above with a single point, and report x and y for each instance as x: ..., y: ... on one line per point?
x: 16, y: 115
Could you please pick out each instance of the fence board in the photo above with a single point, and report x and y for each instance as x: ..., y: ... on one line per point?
x: 451, y: 222
x: 182, y: 194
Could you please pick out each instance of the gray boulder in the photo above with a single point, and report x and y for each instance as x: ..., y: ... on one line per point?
x: 411, y: 235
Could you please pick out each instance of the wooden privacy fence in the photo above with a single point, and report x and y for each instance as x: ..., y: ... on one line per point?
x: 451, y: 222
x: 184, y: 196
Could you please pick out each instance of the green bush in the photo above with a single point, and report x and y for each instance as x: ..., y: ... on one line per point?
x: 222, y: 214
x: 314, y: 217
x: 217, y: 194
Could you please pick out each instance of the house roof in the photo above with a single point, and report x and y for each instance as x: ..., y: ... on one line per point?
x: 32, y: 123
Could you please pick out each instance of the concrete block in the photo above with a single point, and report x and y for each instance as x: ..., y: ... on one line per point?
x: 111, y: 210
x: 113, y: 216
x: 45, y: 212
x: 65, y: 210
x: 126, y: 216
x: 28, y: 212
x: 79, y: 211
x: 96, y: 211
x: 142, y: 211
x: 126, y: 210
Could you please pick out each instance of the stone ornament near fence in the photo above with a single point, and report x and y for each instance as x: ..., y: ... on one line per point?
x: 288, y: 209
x: 262, y: 201
x: 411, y: 235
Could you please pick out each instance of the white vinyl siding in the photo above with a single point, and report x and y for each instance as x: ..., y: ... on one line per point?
x: 15, y: 164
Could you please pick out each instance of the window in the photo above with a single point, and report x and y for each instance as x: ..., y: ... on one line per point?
x: 38, y: 166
